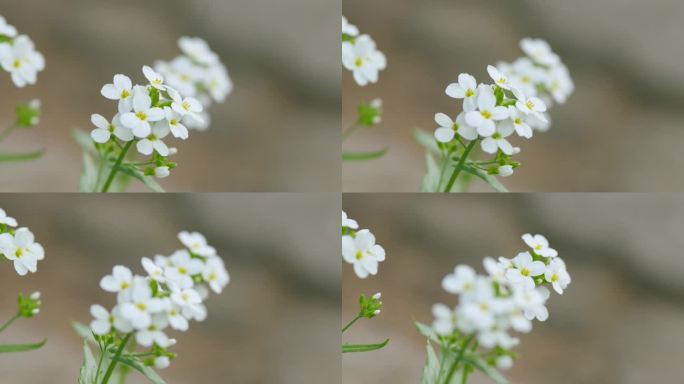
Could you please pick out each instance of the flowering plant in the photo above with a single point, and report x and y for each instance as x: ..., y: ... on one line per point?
x: 474, y: 335
x: 147, y: 114
x: 19, y: 247
x: 360, y: 250
x: 515, y: 101
x: 169, y: 296
x: 20, y: 59
x: 365, y: 61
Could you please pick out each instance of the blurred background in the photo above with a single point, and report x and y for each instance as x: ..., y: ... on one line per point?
x: 276, y: 322
x: 619, y: 131
x: 620, y: 321
x: 278, y: 130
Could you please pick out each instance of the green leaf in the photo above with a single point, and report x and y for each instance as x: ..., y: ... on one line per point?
x: 427, y: 140
x: 432, y: 174
x: 485, y: 368
x: 489, y: 179
x: 89, y: 367
x: 358, y: 156
x: 427, y: 331
x: 15, y: 157
x: 8, y: 348
x: 347, y: 348
x: 88, y: 181
x: 83, y: 331
x: 147, y: 180
x: 431, y: 368
x: 84, y: 140
x: 139, y: 366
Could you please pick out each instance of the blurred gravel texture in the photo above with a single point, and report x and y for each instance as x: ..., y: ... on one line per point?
x: 620, y: 321
x: 618, y: 132
x: 276, y: 322
x: 278, y: 131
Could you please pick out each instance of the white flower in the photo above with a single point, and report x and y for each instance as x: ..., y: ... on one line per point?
x: 498, y: 140
x: 539, y: 51
x: 103, y: 322
x: 6, y: 29
x: 540, y: 245
x: 185, y: 106
x: 22, y: 250
x: 173, y: 119
x: 517, y: 121
x: 142, y: 305
x: 532, y: 302
x: 182, y: 269
x: 445, y: 319
x: 504, y: 362
x: 524, y: 270
x: 346, y: 221
x: 22, y: 61
x: 143, y: 114
x: 119, y: 281
x: 498, y: 77
x: 488, y: 112
x: 161, y: 362
x: 461, y: 281
x: 121, y: 89
x: 557, y: 275
x: 529, y: 106
x: 156, y: 80
x: 153, y: 333
x: 495, y: 336
x: 466, y: 89
x: 560, y: 84
x: 363, y: 59
x: 153, y: 270
x: 105, y: 129
x: 495, y: 269
x: 505, y: 170
x: 215, y: 274
x: 448, y: 128
x: 362, y: 252
x: 347, y: 29
x: 7, y: 220
x: 196, y: 243
x: 197, y: 49
x: 176, y: 318
x: 162, y: 172
x: 153, y: 142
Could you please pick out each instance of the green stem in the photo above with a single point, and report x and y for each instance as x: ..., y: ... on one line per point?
x: 452, y: 370
x: 351, y: 322
x: 347, y: 132
x: 103, y: 350
x: 112, y: 365
x: 445, y: 161
x: 10, y: 321
x: 460, y: 164
x: 7, y: 131
x: 466, y: 373
x: 116, y: 166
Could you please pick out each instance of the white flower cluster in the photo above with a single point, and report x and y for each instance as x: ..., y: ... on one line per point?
x: 170, y: 295
x: 18, y: 55
x: 197, y: 73
x: 508, y: 298
x: 514, y: 102
x: 360, y: 55
x: 359, y: 248
x: 19, y: 246
x: 146, y: 115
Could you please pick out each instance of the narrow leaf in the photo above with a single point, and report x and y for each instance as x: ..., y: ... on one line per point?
x: 15, y: 157
x: 84, y: 140
x: 487, y: 178
x: 427, y: 140
x: 8, y: 348
x: 347, y: 348
x: 485, y: 368
x: 83, y: 331
x: 139, y: 366
x: 359, y: 156
x: 427, y: 331
x: 89, y: 367
x: 431, y: 368
x: 147, y: 180
x: 88, y: 181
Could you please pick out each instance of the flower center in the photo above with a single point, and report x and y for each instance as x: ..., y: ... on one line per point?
x: 125, y: 94
x: 124, y: 285
x: 486, y: 114
x: 359, y: 255
x: 19, y: 253
x: 186, y: 105
x: 538, y: 247
x: 141, y: 115
x: 454, y: 126
x: 554, y: 277
x: 518, y: 121
x: 496, y: 136
x: 469, y: 92
x: 212, y: 276
x: 110, y: 128
x: 529, y: 104
x: 17, y: 63
x: 141, y: 306
x: 182, y: 271
x: 525, y: 272
x: 359, y: 62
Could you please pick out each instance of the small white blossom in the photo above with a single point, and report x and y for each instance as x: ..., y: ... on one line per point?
x: 105, y: 129
x: 363, y: 59
x: 21, y: 60
x: 347, y: 28
x: 7, y: 29
x: 525, y: 269
x: 498, y: 140
x: 7, y: 220
x: 22, y: 250
x: 461, y: 281
x: 196, y: 243
x: 346, y: 221
x: 498, y: 77
x: 484, y: 118
x: 466, y: 89
x: 142, y: 115
x: 557, y: 275
x: 362, y: 252
x: 156, y: 80
x: 120, y: 89
x: 539, y: 245
x: 449, y: 128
